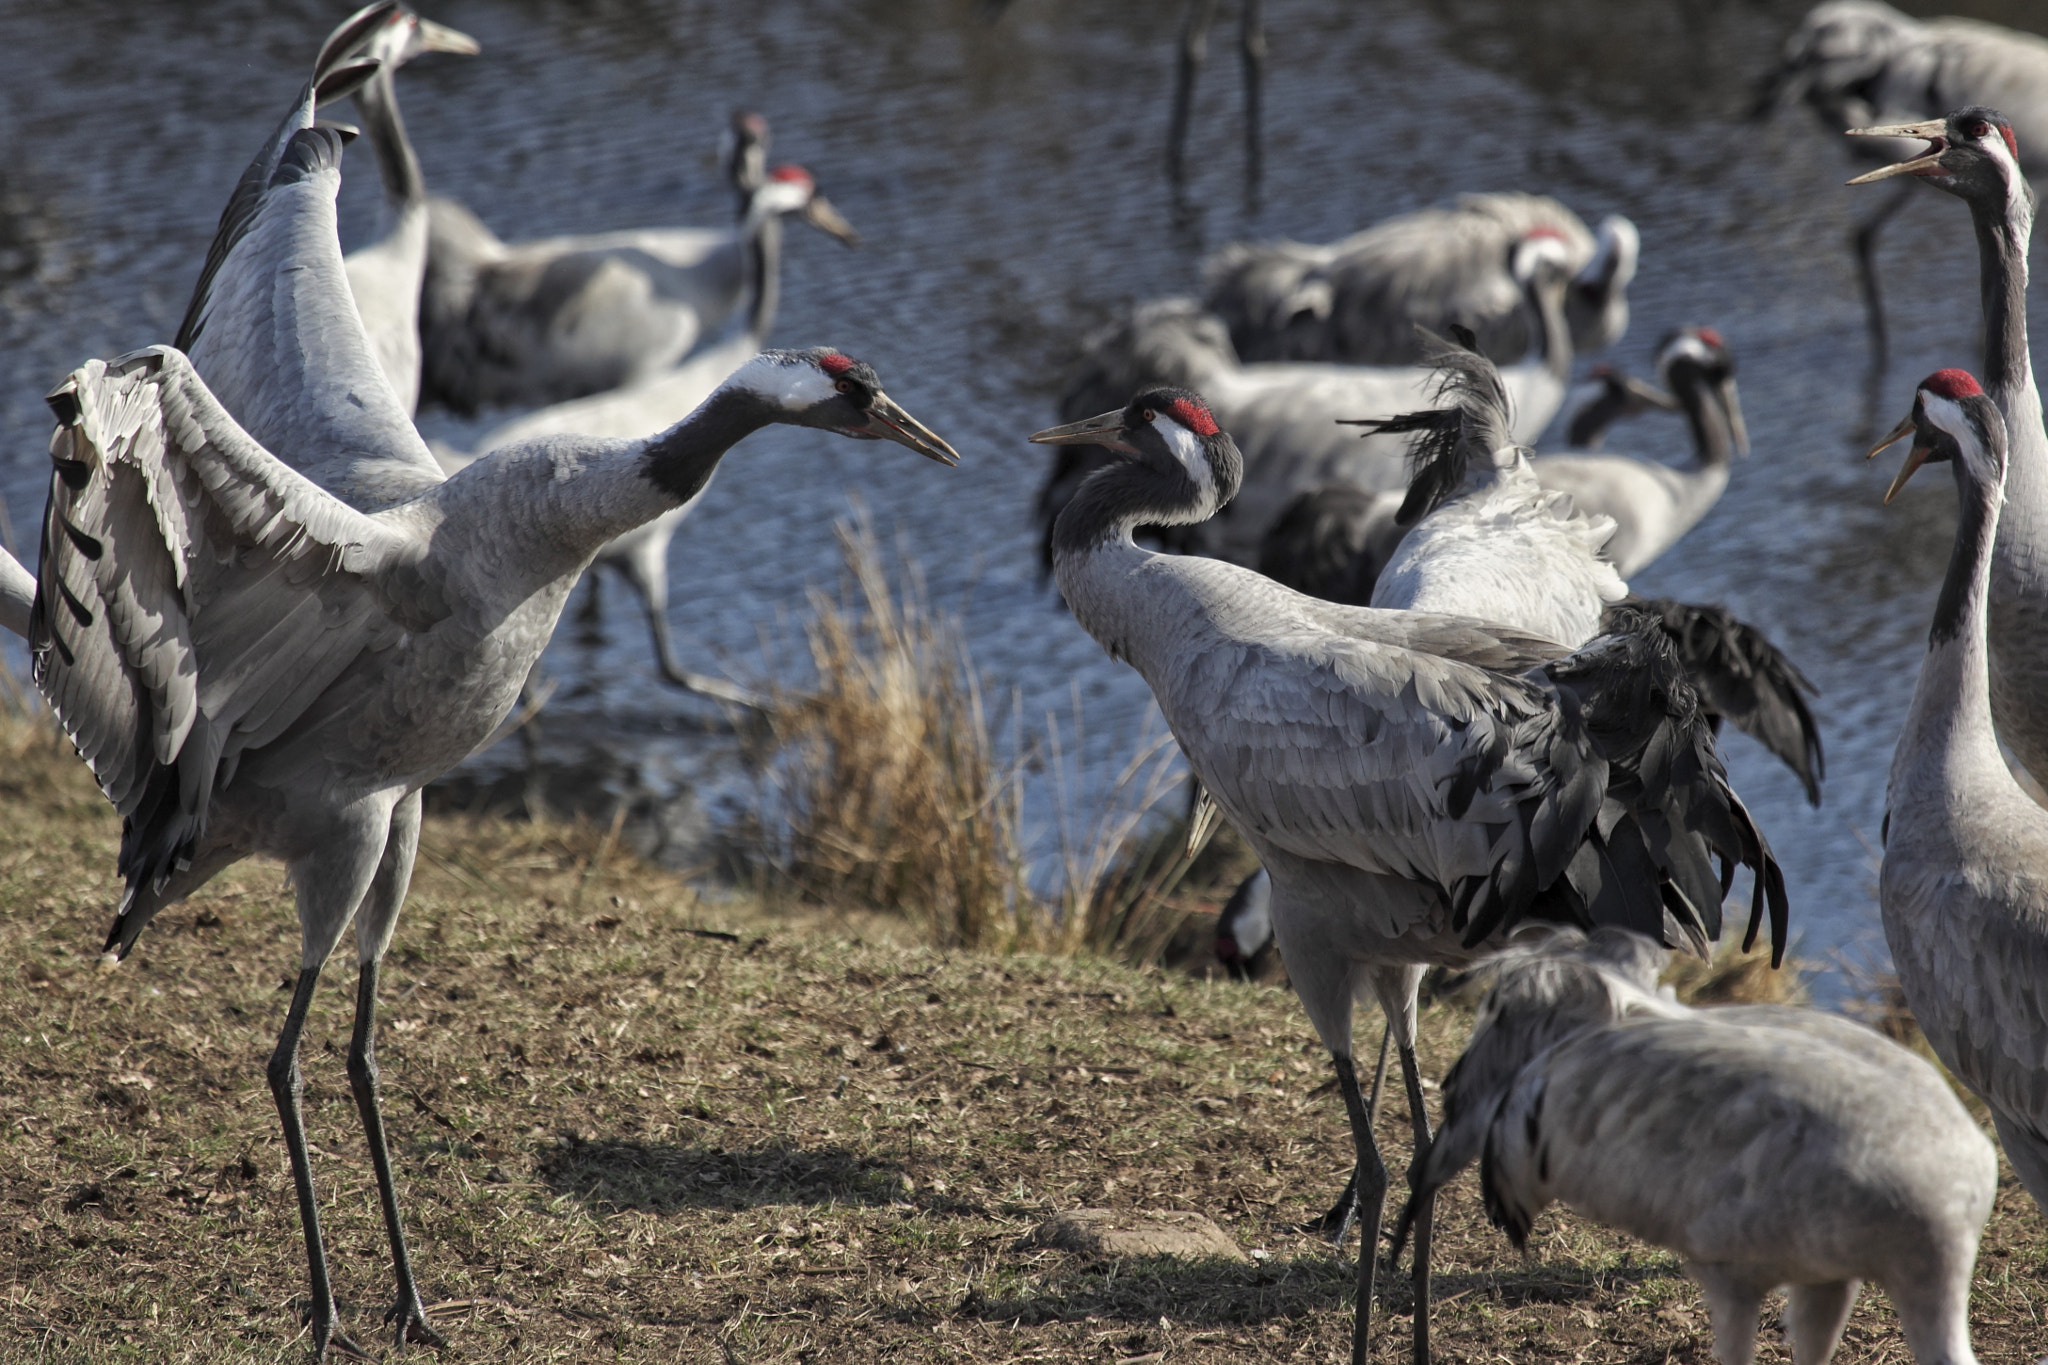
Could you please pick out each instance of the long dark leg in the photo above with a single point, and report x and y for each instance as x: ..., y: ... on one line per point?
x: 1194, y: 50
x: 285, y: 1088
x: 592, y: 610
x: 1425, y: 1209
x: 1337, y: 1222
x: 374, y: 925
x: 1864, y: 240
x: 1252, y: 42
x: 1371, y: 1178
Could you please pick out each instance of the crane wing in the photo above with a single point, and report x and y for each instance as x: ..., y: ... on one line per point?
x: 196, y: 594
x: 274, y: 331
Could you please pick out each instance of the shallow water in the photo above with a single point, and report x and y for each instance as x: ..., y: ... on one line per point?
x: 1007, y: 181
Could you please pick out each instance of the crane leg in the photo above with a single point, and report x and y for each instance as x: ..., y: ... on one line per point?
x: 1864, y: 240
x: 374, y: 923
x: 649, y: 577
x: 1816, y: 1315
x: 592, y: 610
x: 1371, y: 1181
x: 1194, y: 50
x: 1733, y: 1304
x: 1337, y: 1222
x: 1252, y: 44
x: 1425, y: 1207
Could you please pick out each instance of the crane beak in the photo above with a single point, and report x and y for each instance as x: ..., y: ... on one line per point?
x: 820, y: 214
x: 441, y: 38
x: 1105, y: 430
x: 1731, y: 403
x: 1649, y: 395
x: 888, y: 422
x: 1934, y: 130
x: 1917, y: 457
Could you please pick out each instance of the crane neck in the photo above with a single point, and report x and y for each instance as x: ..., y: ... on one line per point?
x: 763, y: 238
x: 1115, y: 501
x: 1948, y: 744
x: 2003, y: 234
x: 396, y: 162
x: 681, y: 460
x: 1544, y: 294
x: 1713, y: 435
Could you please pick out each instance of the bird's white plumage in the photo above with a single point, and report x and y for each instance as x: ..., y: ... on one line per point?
x: 17, y: 594
x: 1187, y: 448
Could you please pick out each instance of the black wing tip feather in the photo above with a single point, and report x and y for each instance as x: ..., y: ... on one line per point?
x: 1471, y: 419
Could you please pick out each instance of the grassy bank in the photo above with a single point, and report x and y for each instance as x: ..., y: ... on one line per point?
x: 634, y: 1124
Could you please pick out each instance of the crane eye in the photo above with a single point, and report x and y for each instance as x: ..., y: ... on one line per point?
x: 844, y: 386
x: 1148, y: 415
x: 1980, y: 129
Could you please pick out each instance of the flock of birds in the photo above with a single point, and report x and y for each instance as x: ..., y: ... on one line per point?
x: 1405, y: 665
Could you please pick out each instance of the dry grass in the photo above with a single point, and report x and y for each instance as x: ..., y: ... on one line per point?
x: 632, y: 1124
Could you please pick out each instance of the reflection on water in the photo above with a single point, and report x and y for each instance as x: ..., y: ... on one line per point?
x: 1007, y: 181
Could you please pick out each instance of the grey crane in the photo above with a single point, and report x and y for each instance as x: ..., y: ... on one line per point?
x: 1413, y: 784
x: 1768, y: 1145
x: 1964, y: 885
x: 564, y: 317
x: 1651, y: 503
x: 1358, y: 301
x: 267, y: 620
x: 1972, y: 155
x: 1284, y: 414
x: 17, y: 594
x: 1860, y: 62
x: 1621, y: 396
x: 640, y: 557
x: 385, y: 275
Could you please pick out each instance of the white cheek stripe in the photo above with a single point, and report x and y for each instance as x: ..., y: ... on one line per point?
x: 1187, y: 448
x: 794, y: 388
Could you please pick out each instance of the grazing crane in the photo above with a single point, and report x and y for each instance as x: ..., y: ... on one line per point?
x: 1767, y: 1145
x: 1413, y: 784
x: 1859, y: 62
x: 17, y: 595
x: 1973, y: 155
x: 1964, y: 886
x: 267, y: 621
x: 1652, y: 504
x: 1285, y: 416
x: 1621, y: 396
x: 1358, y: 301
x: 565, y: 317
x: 640, y: 557
x: 385, y: 275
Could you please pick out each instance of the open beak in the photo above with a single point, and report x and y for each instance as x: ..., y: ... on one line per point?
x: 1731, y: 403
x: 441, y: 38
x: 1914, y: 459
x: 888, y: 422
x: 1934, y: 130
x: 820, y: 214
x: 1105, y: 430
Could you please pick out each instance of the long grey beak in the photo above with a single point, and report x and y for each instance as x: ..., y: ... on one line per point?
x: 820, y: 214
x: 1647, y: 394
x: 889, y: 422
x: 441, y: 38
x: 1731, y: 403
x: 1104, y: 430
x: 1914, y: 459
x: 1934, y: 131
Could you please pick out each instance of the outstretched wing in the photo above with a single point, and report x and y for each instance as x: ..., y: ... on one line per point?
x: 196, y: 594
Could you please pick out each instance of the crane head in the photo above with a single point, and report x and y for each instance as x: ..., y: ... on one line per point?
x: 1701, y: 350
x: 1969, y: 153
x: 833, y: 392
x: 1167, y: 428
x: 1952, y: 419
x: 403, y: 35
x: 792, y: 189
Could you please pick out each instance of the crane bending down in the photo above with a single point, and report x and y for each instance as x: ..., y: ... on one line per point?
x: 266, y: 635
x: 1973, y: 154
x: 1860, y: 62
x: 385, y: 275
x: 640, y: 557
x: 564, y: 317
x: 1284, y: 416
x: 1414, y: 784
x: 1964, y: 886
x: 1358, y: 301
x: 1767, y: 1145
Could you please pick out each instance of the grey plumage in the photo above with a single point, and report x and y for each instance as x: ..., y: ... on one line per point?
x: 384, y: 275
x: 1768, y: 1145
x: 267, y: 620
x: 560, y: 318
x: 1358, y: 301
x: 1413, y: 783
x: 1964, y: 885
x: 17, y: 594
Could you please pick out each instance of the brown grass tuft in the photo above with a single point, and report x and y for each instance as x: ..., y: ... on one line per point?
x: 1736, y: 977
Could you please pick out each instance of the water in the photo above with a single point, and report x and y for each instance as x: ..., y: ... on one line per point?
x: 1007, y: 182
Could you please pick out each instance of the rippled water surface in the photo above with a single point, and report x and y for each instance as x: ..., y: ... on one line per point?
x: 1007, y: 180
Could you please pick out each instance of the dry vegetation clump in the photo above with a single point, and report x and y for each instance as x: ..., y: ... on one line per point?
x: 1736, y: 977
